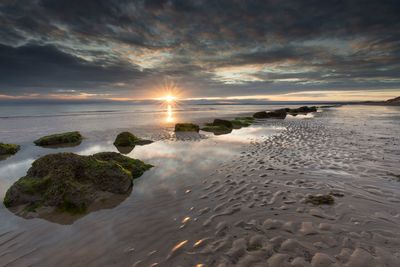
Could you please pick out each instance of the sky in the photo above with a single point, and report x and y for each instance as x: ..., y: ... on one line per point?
x: 270, y: 49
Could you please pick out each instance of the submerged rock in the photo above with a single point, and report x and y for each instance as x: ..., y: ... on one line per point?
x: 127, y: 139
x: 68, y: 139
x: 8, y: 149
x: 320, y: 199
x: 187, y: 127
x: 69, y: 182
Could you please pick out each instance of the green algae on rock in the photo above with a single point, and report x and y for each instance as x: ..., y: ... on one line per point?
x: 219, y: 127
x: 240, y: 122
x: 8, y: 149
x: 187, y: 127
x: 301, y: 110
x: 60, y: 139
x: 69, y: 182
x: 320, y: 199
x: 225, y: 123
x: 275, y: 114
x: 217, y: 130
x: 125, y: 139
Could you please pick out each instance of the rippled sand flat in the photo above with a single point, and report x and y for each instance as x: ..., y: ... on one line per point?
x: 240, y: 200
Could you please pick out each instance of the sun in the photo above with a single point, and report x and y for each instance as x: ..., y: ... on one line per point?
x: 169, y: 99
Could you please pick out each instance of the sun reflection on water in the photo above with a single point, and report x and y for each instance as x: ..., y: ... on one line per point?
x: 170, y: 114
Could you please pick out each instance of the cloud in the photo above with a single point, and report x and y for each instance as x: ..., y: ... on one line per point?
x: 211, y: 48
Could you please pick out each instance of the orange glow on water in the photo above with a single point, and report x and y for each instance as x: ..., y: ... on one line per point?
x: 170, y: 114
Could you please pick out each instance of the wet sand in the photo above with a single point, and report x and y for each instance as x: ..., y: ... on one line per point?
x: 240, y: 200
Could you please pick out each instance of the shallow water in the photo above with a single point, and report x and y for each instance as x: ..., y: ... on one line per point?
x: 220, y: 189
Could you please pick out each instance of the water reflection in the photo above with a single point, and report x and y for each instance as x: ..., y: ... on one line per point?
x: 178, y: 164
x: 125, y: 149
x: 170, y: 114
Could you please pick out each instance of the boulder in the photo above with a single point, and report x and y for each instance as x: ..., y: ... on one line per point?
x: 187, y: 127
x: 8, y: 149
x: 69, y: 182
x: 127, y: 139
x: 68, y: 138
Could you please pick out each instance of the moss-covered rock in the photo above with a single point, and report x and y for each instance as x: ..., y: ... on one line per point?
x: 301, y: 110
x: 125, y: 139
x: 187, y: 127
x: 219, y: 127
x: 275, y: 114
x: 60, y: 139
x: 70, y: 182
x: 260, y: 115
x: 8, y: 149
x: 240, y: 122
x: 224, y: 123
x: 320, y: 199
x: 217, y: 130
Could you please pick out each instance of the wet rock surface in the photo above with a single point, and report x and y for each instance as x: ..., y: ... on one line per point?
x: 8, y: 149
x: 71, y: 183
x: 60, y: 139
x: 127, y: 139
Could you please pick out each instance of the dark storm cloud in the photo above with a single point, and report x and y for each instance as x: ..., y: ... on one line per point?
x: 47, y: 68
x: 210, y: 47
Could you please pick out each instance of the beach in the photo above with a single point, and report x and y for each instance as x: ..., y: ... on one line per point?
x: 231, y: 200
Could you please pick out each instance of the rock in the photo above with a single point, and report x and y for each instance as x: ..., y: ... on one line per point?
x: 240, y: 122
x: 277, y: 114
x: 260, y: 115
x: 127, y: 139
x: 301, y: 110
x: 187, y: 127
x: 70, y: 183
x: 225, y: 123
x: 320, y: 199
x: 8, y: 149
x: 217, y: 130
x: 219, y: 127
x: 68, y: 138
